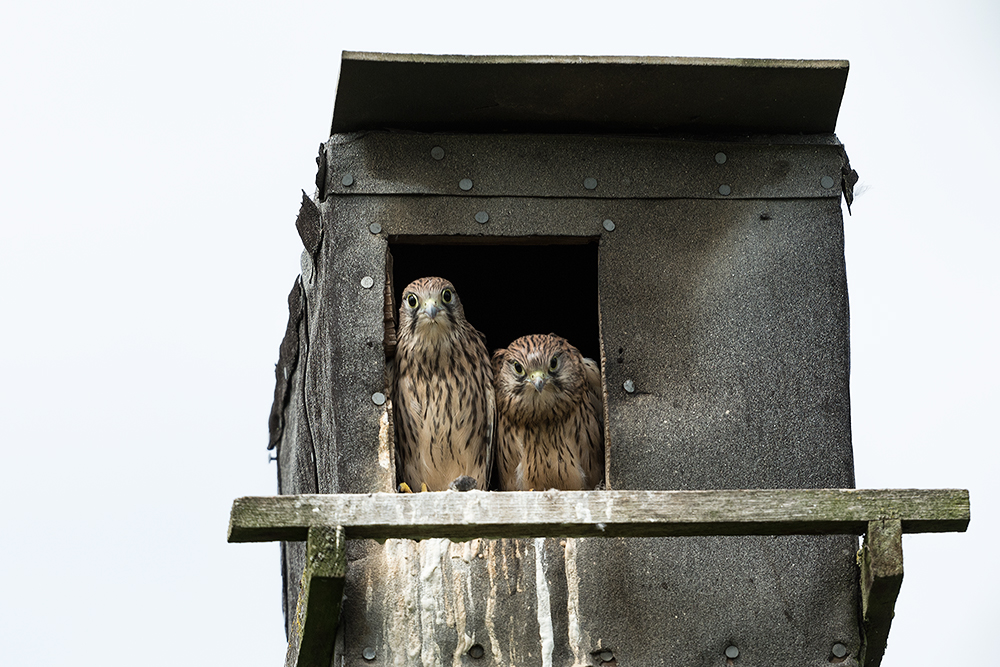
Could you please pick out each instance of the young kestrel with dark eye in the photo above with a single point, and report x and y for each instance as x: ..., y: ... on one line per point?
x: 550, y: 432
x: 442, y: 391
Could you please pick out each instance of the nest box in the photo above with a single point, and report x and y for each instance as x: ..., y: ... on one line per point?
x: 677, y: 219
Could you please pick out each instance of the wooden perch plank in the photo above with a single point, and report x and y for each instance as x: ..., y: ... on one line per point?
x: 881, y: 561
x: 464, y: 516
x: 320, y: 593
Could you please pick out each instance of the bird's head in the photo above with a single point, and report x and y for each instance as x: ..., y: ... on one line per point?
x: 540, y: 372
x: 430, y: 307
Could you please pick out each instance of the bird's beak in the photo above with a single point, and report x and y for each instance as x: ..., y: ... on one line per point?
x: 431, y: 310
x: 538, y: 379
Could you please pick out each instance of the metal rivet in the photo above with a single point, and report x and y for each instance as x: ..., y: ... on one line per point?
x: 368, y: 653
x: 375, y: 228
x: 826, y: 182
x: 720, y: 158
x: 465, y: 184
x: 590, y: 183
x: 482, y: 217
x: 607, y: 656
x: 839, y: 650
x: 437, y: 153
x: 732, y: 652
x: 477, y: 651
x: 609, y: 225
x: 378, y: 398
x: 367, y: 282
x: 347, y: 181
x: 629, y: 386
x: 724, y: 189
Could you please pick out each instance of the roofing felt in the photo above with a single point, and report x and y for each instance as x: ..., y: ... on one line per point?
x: 592, y: 95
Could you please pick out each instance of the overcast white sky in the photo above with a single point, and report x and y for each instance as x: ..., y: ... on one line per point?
x: 151, y: 160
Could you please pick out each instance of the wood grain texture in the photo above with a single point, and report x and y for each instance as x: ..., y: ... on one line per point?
x: 476, y: 514
x: 322, y: 587
x: 881, y: 561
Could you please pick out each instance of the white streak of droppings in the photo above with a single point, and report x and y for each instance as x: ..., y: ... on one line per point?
x: 544, y: 610
x: 401, y: 630
x: 583, y: 514
x: 384, y: 442
x: 573, y: 605
x: 491, y: 600
x: 431, y: 592
x: 458, y: 555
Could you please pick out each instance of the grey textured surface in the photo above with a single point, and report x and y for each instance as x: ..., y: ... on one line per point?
x: 557, y: 166
x: 296, y: 470
x: 567, y: 94
x: 736, y: 341
x: 729, y: 315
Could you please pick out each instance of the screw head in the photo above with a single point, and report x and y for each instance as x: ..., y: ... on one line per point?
x: 367, y: 282
x: 732, y: 652
x: 839, y: 650
x: 477, y: 651
x: 629, y: 386
x: 724, y: 189
x: 368, y: 653
x: 347, y: 181
x: 378, y: 398
x: 720, y: 158
x: 465, y: 184
x: 607, y: 656
x: 482, y: 217
x: 437, y: 153
x: 609, y: 225
x: 375, y: 228
x: 826, y: 182
x: 590, y: 183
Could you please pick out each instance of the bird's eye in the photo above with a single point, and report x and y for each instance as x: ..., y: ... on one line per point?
x: 553, y: 363
x: 412, y: 301
x: 518, y: 368
x: 446, y: 296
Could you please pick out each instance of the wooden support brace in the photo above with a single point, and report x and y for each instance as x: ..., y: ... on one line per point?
x: 881, y: 561
x: 320, y: 593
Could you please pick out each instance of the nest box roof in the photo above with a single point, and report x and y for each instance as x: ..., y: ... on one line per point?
x: 594, y: 95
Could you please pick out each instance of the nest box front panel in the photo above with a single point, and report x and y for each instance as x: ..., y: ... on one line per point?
x: 714, y: 277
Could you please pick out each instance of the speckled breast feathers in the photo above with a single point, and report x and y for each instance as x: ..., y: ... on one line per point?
x: 442, y: 393
x: 551, y: 416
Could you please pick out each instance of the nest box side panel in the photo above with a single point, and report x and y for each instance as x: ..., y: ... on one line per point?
x: 291, y: 437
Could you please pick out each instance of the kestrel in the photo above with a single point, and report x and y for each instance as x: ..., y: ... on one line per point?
x: 442, y: 391
x: 551, y: 416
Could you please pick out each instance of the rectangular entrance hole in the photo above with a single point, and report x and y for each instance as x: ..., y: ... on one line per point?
x: 509, y: 290
x: 511, y: 287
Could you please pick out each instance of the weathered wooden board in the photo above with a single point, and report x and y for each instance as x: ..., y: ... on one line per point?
x: 881, y: 562
x: 477, y: 514
x: 312, y: 641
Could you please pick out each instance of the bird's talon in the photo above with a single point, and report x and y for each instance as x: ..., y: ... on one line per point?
x: 423, y: 487
x: 405, y: 488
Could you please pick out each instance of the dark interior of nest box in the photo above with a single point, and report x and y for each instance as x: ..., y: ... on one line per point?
x: 512, y: 290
